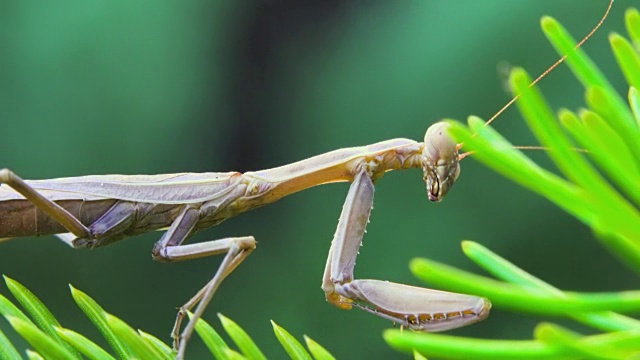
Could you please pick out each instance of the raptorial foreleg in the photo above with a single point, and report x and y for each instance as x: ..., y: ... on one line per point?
x: 413, y: 307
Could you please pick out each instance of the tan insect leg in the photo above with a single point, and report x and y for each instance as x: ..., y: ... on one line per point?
x: 54, y: 210
x: 237, y: 250
x: 414, y: 307
x: 169, y: 249
x: 348, y: 238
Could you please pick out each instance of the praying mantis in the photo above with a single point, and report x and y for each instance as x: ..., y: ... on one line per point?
x: 95, y: 211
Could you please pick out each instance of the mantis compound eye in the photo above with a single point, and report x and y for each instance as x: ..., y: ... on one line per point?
x: 439, y: 161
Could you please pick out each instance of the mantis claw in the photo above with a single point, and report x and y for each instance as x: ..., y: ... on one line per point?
x: 412, y: 307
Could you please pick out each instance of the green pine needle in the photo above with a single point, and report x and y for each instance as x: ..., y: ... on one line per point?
x: 294, y: 349
x: 125, y: 342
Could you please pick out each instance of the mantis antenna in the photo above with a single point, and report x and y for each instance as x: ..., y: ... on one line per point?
x: 440, y: 156
x: 534, y: 82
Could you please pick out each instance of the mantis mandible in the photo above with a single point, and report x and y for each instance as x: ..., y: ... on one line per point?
x: 94, y: 211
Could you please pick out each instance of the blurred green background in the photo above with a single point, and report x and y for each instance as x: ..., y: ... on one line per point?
x: 99, y: 87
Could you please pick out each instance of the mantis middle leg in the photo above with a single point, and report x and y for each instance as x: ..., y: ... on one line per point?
x: 413, y: 307
x: 169, y: 248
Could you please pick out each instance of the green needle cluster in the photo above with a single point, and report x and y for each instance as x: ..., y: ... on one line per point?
x: 600, y: 186
x: 50, y: 340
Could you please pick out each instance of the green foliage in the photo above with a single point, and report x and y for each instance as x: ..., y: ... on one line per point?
x: 51, y: 341
x: 290, y: 344
x: 599, y: 187
x: 241, y: 338
x: 318, y: 352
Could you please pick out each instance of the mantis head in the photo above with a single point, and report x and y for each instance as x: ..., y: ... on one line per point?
x: 440, y: 162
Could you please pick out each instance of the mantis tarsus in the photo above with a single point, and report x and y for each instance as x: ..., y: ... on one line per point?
x: 94, y: 211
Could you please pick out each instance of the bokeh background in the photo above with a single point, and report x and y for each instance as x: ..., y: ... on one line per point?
x: 99, y: 87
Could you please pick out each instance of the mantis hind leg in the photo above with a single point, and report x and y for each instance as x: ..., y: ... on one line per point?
x: 52, y: 209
